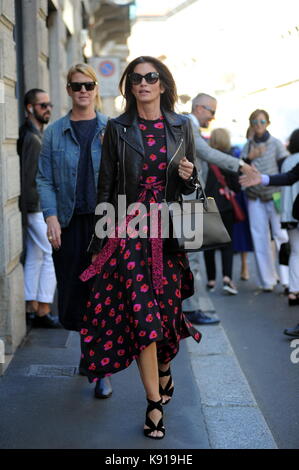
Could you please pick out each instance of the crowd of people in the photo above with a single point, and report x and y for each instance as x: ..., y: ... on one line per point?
x: 132, y: 298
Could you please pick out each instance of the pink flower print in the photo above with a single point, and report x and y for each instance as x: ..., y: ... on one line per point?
x: 97, y: 295
x: 153, y: 157
x: 108, y: 301
x: 153, y: 335
x: 134, y: 295
x: 108, y: 345
x: 105, y: 275
x: 128, y: 283
x: 136, y: 323
x: 174, y: 277
x: 85, y: 318
x: 165, y: 318
x: 112, y: 313
x: 161, y: 304
x: 145, y: 167
x: 170, y: 263
x: 121, y: 352
x: 165, y: 282
x: 109, y: 287
x: 116, y: 365
x: 84, y: 331
x: 121, y: 307
x: 176, y: 310
x: 138, y: 246
x: 151, y: 141
x: 142, y: 127
x: 139, y: 277
x: 92, y: 366
x: 137, y: 308
x: 131, y: 265
x: 149, y: 318
x: 144, y: 288
x: 103, y: 323
x: 127, y: 254
x: 91, y: 353
x: 109, y: 332
x: 178, y: 293
x: 105, y: 361
x: 150, y: 304
x: 142, y: 263
x: 163, y: 149
x: 119, y: 295
x: 151, y: 179
x: 113, y: 262
x: 159, y: 125
x: 118, y: 319
x: 98, y: 309
x: 120, y: 340
x: 95, y: 322
x: 88, y: 339
x: 170, y: 301
x: 142, y: 333
x: 158, y: 315
x: 88, y: 304
x: 162, y: 166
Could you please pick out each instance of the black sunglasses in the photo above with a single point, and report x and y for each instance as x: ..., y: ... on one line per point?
x: 44, y: 105
x: 207, y: 108
x: 151, y: 78
x: 77, y: 86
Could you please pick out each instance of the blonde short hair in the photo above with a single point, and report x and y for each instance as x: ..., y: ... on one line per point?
x: 90, y: 72
x: 220, y: 140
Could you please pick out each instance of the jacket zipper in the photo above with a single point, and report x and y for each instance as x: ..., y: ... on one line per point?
x: 181, y: 141
x: 125, y: 130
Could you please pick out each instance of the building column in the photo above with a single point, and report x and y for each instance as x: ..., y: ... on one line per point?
x: 12, y: 314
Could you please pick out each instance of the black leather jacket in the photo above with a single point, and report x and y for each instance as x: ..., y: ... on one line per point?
x: 123, y: 155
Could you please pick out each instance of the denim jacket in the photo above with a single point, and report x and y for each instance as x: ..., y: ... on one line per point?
x: 58, y: 165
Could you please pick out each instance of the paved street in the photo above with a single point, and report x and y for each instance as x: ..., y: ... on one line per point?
x: 254, y: 323
x: 45, y: 404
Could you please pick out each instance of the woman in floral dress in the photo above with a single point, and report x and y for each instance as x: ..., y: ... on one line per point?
x: 134, y: 310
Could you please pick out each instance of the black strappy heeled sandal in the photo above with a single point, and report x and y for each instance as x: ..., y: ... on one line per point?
x: 168, y: 389
x: 154, y: 405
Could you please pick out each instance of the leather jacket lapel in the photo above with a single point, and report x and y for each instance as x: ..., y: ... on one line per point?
x: 131, y: 134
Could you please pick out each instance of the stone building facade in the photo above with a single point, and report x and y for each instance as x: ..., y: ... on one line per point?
x: 39, y: 41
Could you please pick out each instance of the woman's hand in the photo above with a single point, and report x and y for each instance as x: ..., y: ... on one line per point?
x: 94, y: 257
x: 185, y: 169
x: 256, y: 152
x: 54, y: 231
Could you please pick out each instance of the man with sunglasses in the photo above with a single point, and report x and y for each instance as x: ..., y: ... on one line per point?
x: 67, y: 181
x: 203, y: 112
x: 39, y: 274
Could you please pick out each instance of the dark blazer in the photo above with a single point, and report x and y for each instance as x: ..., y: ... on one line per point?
x: 28, y: 146
x: 285, y: 179
x: 123, y: 156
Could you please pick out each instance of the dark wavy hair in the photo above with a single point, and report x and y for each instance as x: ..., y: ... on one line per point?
x: 168, y: 98
x: 293, y: 146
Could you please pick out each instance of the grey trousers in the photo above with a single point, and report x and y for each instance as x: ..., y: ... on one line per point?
x: 200, y: 299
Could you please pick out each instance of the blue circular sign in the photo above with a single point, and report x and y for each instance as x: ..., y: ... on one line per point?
x: 106, y: 68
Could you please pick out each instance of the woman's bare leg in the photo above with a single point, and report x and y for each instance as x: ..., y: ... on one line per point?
x: 164, y: 380
x: 148, y: 368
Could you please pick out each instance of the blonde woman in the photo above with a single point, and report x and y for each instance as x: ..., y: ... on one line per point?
x: 67, y: 180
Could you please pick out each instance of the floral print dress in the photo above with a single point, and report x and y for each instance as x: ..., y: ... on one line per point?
x: 126, y: 312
